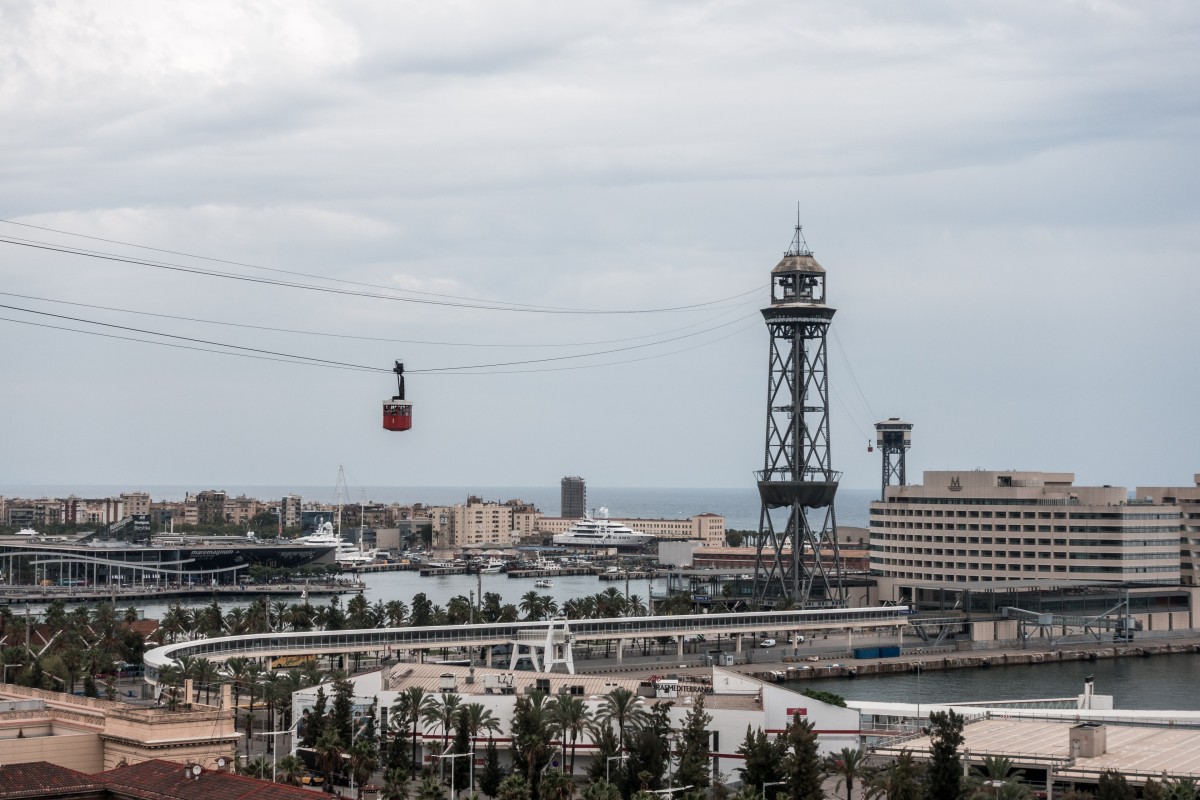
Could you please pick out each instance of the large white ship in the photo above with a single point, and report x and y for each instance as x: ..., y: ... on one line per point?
x: 600, y: 531
x: 346, y: 553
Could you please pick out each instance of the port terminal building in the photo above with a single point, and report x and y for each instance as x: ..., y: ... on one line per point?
x: 981, y: 541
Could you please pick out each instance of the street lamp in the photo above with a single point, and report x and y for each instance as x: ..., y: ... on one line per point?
x: 275, y: 746
x: 770, y: 783
x: 608, y: 765
x: 453, y: 756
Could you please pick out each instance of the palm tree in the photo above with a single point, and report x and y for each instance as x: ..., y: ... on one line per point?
x: 531, y: 605
x: 899, y: 780
x: 410, y: 708
x: 364, y: 760
x: 620, y: 706
x: 395, y: 613
x: 235, y: 670
x: 431, y: 789
x: 572, y: 716
x: 443, y: 714
x: 329, y: 755
x: 395, y: 784
x: 478, y: 720
x: 206, y: 673
x: 259, y: 767
x: 849, y: 764
x: 289, y: 770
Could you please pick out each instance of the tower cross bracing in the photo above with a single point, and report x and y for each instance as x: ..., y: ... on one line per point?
x: 797, y: 559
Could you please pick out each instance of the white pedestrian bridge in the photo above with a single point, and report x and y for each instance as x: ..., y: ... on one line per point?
x: 553, y: 638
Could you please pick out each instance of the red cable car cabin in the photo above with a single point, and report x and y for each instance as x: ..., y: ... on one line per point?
x: 397, y: 415
x: 397, y: 412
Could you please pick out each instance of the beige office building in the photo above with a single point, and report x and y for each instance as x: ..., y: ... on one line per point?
x: 997, y: 527
x: 1187, y: 500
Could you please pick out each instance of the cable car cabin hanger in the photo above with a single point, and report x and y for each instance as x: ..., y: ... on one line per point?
x: 397, y: 412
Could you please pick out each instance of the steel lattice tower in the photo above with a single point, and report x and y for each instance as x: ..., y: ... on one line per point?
x: 893, y: 437
x: 797, y: 484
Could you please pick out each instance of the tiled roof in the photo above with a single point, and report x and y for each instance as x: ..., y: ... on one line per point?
x: 164, y: 780
x: 39, y: 778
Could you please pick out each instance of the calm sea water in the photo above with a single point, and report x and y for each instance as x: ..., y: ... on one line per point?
x: 1161, y: 682
x: 740, y: 507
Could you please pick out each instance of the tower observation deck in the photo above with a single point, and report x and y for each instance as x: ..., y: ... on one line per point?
x: 797, y: 562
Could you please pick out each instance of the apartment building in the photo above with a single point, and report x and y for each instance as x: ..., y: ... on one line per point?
x: 479, y: 523
x: 210, y: 507
x: 136, y: 503
x: 37, y: 514
x: 93, y: 511
x: 1187, y: 499
x: 240, y: 510
x: 289, y: 510
x: 996, y: 527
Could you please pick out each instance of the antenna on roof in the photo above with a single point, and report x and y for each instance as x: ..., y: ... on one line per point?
x: 799, y: 246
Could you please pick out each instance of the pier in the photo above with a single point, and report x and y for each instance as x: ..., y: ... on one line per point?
x: 631, y: 575
x: 15, y: 595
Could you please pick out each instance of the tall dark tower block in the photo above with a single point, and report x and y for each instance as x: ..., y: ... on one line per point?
x: 574, y: 497
x: 798, y: 562
x: 893, y: 437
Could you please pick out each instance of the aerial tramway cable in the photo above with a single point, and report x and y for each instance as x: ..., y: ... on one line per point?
x: 446, y: 301
x: 271, y: 329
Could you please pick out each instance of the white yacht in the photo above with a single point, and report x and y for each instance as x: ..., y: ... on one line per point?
x: 491, y: 567
x: 346, y: 553
x: 600, y: 531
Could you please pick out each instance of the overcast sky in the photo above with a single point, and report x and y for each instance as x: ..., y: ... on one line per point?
x: 1004, y: 194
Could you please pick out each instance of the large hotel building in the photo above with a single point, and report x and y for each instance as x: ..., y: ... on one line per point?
x: 991, y: 527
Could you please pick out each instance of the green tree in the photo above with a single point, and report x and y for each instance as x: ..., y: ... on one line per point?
x: 945, y: 771
x: 257, y: 767
x: 692, y: 748
x: 395, y: 784
x: 802, y: 764
x: 329, y: 755
x: 621, y: 708
x: 762, y: 761
x: 317, y: 720
x: 364, y: 760
x: 849, y: 764
x: 1113, y: 786
x: 431, y: 789
x: 290, y: 769
x: 341, y: 715
x: 489, y: 779
x: 901, y: 779
x: 412, y: 706
x: 556, y: 785
x: 601, y: 790
x: 514, y: 787
x: 570, y: 716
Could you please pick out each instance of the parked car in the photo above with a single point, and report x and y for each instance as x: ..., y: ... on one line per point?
x: 767, y: 643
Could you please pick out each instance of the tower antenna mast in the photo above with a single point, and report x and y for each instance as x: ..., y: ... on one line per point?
x: 797, y: 560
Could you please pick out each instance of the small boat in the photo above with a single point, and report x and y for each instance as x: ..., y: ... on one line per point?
x: 491, y: 567
x: 544, y: 583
